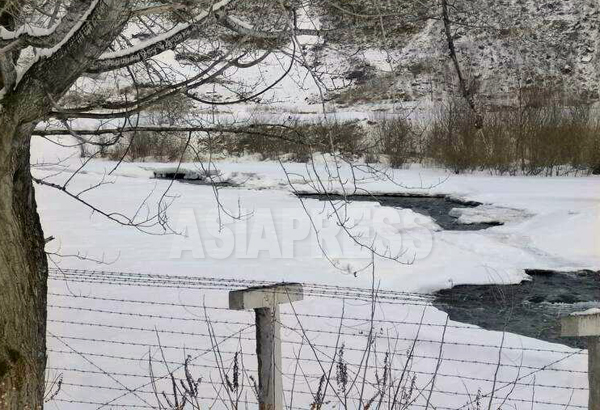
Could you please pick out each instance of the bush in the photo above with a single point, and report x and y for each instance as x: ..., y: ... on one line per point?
x: 397, y: 141
x: 297, y: 141
x: 543, y: 134
x: 142, y: 146
x: 156, y: 146
x: 551, y: 134
x: 453, y: 138
x: 170, y: 110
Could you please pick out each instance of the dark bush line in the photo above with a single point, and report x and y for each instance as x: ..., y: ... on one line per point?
x: 296, y: 142
x: 541, y: 135
x: 529, y: 139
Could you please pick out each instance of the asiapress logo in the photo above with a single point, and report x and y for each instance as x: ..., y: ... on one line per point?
x: 293, y: 233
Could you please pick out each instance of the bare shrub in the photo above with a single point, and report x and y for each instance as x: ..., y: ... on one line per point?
x: 143, y: 146
x: 453, y: 137
x: 497, y: 144
x: 170, y: 110
x: 297, y: 141
x: 552, y: 134
x: 361, y: 370
x: 543, y: 134
x: 342, y: 137
x: 397, y: 140
x: 592, y: 158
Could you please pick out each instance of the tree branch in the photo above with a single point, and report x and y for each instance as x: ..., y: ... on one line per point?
x: 47, y: 38
x: 165, y: 8
x: 466, y: 92
x: 51, y: 76
x: 156, y: 45
x: 245, y: 29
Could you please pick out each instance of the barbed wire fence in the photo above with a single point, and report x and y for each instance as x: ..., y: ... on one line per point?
x: 122, y: 340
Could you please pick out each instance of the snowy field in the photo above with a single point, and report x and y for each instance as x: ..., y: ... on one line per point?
x: 104, y: 327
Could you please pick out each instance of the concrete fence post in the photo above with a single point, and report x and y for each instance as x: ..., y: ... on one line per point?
x: 587, y: 324
x: 265, y: 301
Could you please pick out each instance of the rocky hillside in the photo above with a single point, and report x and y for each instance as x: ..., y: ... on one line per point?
x: 503, y: 45
x: 387, y: 53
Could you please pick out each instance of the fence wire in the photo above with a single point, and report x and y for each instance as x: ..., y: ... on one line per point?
x: 124, y: 340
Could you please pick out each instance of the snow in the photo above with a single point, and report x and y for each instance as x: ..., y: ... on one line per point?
x: 589, y: 312
x: 274, y: 240
x: 166, y: 35
x: 487, y: 214
x: 550, y: 223
x: 48, y: 52
x: 32, y: 31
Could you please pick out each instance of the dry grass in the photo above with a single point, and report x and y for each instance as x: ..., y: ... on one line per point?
x: 295, y: 142
x: 370, y: 22
x: 147, y: 146
x: 398, y: 140
x: 378, y: 88
x: 543, y: 134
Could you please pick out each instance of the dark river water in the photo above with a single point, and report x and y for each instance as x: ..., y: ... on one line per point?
x: 437, y: 207
x: 532, y: 308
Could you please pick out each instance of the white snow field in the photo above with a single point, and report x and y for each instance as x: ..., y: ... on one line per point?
x: 104, y: 327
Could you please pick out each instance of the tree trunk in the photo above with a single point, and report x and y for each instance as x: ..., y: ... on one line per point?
x: 23, y: 275
x: 23, y: 264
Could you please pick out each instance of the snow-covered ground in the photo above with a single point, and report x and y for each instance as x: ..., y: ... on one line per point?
x: 104, y: 327
x: 549, y: 223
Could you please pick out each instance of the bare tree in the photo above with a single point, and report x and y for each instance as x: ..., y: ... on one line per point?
x: 47, y: 48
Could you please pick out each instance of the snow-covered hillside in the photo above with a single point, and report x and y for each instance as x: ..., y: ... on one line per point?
x: 505, y: 45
